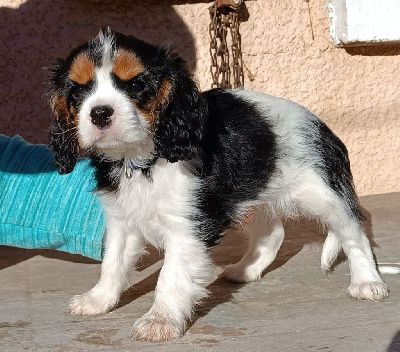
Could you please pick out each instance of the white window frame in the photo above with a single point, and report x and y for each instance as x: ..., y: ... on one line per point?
x: 364, y: 22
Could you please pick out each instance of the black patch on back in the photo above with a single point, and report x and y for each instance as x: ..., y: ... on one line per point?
x: 238, y: 155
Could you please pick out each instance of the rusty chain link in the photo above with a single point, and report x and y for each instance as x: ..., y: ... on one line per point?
x: 225, y: 17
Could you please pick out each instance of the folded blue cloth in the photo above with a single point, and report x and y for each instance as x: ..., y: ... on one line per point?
x: 40, y: 208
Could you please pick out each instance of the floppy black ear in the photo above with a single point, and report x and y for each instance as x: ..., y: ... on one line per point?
x: 179, y: 128
x: 63, y: 133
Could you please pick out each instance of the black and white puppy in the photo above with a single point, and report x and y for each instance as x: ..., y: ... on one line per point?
x: 177, y: 167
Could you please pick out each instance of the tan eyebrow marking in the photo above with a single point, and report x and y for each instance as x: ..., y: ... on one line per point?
x: 127, y: 65
x: 82, y: 69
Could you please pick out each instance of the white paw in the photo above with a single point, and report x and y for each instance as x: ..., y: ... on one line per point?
x: 91, y: 304
x: 370, y: 291
x: 154, y: 328
x: 238, y: 273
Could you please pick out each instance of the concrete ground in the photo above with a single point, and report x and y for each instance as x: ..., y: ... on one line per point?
x: 293, y: 308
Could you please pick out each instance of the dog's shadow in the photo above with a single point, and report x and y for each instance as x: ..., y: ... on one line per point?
x: 234, y: 246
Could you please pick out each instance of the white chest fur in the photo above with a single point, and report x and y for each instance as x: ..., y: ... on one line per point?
x: 154, y: 207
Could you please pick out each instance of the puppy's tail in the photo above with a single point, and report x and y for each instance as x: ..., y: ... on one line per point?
x: 330, y: 251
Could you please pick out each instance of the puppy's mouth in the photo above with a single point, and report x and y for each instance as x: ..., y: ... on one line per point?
x: 107, y: 140
x: 119, y: 146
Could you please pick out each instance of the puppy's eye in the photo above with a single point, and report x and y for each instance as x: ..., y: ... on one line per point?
x: 137, y: 85
x: 78, y: 90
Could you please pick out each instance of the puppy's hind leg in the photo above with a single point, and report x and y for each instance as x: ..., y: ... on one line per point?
x: 345, y: 229
x: 365, y: 280
x: 337, y: 208
x: 266, y: 236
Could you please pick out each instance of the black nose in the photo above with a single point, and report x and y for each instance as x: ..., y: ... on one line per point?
x: 101, y: 115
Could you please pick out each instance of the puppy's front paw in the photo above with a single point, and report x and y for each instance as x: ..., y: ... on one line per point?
x: 154, y: 328
x: 90, y: 304
x: 370, y: 291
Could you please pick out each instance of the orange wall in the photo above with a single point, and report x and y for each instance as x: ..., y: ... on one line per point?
x: 355, y: 91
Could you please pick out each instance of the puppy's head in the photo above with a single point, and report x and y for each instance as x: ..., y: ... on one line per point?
x: 125, y: 98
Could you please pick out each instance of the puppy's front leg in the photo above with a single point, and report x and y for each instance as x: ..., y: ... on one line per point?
x: 121, y: 250
x: 181, y: 285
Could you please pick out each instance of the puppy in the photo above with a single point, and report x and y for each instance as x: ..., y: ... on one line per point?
x: 176, y: 168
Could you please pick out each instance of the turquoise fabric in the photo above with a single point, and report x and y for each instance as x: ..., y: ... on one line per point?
x: 40, y: 208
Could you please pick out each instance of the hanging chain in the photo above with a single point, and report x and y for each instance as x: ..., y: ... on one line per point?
x: 225, y: 17
x: 237, y: 62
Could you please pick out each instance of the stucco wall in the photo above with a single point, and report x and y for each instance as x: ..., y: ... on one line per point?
x: 355, y: 91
